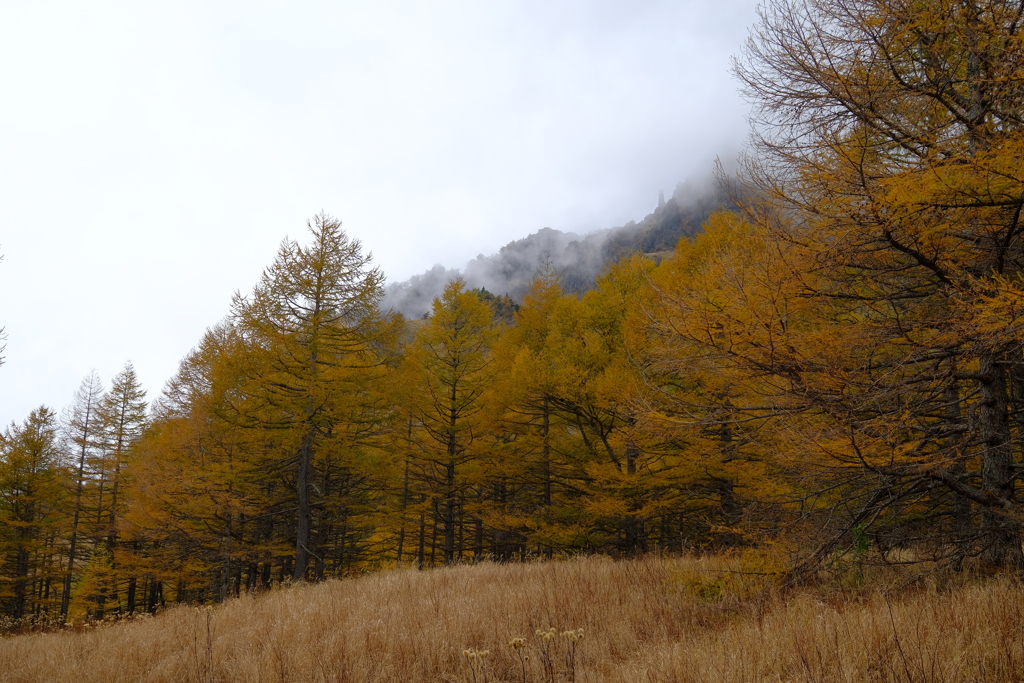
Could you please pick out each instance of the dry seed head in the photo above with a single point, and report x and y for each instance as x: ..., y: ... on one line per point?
x: 517, y: 643
x: 572, y: 635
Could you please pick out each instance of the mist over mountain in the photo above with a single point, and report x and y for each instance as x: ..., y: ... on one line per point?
x: 579, y: 259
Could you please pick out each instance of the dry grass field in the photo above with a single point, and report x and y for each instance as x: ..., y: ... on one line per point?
x: 654, y: 619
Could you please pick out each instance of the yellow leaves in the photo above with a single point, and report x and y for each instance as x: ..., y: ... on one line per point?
x: 95, y: 593
x: 991, y: 313
x: 450, y: 362
x: 607, y: 507
x: 734, y: 298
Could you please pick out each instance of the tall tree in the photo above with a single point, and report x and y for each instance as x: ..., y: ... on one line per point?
x: 735, y: 355
x: 30, y: 507
x: 121, y: 418
x: 536, y: 463
x: 451, y: 366
x: 889, y: 133
x: 599, y: 388
x: 80, y: 428
x: 315, y: 331
x: 196, y: 477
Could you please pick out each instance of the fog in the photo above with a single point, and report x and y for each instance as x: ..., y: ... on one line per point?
x: 156, y: 154
x: 578, y: 259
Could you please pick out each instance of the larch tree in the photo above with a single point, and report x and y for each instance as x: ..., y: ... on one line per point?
x: 536, y: 467
x: 96, y: 593
x: 31, y: 508
x: 600, y: 386
x: 889, y: 135
x: 197, y: 479
x: 81, y: 427
x: 451, y: 368
x: 121, y: 419
x: 316, y: 336
x: 735, y: 355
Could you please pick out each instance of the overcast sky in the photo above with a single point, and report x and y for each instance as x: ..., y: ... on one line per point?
x: 154, y: 155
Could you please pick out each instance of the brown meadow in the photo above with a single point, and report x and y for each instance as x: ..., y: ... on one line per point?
x: 652, y: 619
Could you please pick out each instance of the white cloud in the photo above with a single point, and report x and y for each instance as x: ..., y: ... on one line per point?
x: 155, y: 154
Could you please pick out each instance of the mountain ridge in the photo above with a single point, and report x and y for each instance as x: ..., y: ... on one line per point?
x: 579, y: 259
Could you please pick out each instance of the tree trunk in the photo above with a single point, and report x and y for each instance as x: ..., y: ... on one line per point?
x: 303, y: 513
x: 1002, y: 533
x: 449, y: 488
x: 546, y: 456
x: 132, y: 583
x: 433, y: 542
x: 636, y: 531
x: 961, y: 503
x: 478, y: 532
x: 21, y: 580
x: 422, y: 541
x: 405, y: 501
x: 65, y: 599
x: 450, y: 504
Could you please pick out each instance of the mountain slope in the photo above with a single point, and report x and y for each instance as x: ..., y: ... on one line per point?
x: 579, y: 259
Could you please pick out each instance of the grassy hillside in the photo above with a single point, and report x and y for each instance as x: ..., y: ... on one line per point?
x: 645, y: 620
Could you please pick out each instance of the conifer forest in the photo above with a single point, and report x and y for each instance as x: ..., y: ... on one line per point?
x: 831, y: 367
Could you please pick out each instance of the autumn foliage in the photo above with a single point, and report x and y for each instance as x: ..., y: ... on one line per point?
x: 832, y: 372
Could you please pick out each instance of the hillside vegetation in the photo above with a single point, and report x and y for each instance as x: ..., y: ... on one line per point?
x: 654, y: 619
x: 834, y: 370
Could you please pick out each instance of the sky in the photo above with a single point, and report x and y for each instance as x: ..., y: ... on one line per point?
x: 154, y: 155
